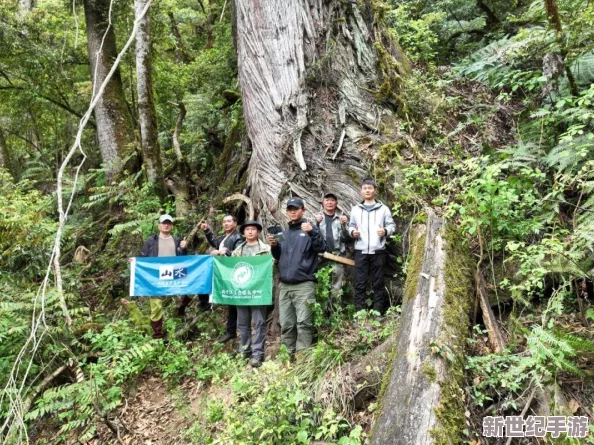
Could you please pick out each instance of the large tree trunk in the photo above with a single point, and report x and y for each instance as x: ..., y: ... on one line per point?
x: 309, y: 75
x: 422, y: 403
x: 115, y: 129
x: 147, y: 114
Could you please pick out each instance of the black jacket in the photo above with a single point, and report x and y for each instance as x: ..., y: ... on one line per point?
x: 231, y: 243
x: 151, y: 246
x: 297, y: 255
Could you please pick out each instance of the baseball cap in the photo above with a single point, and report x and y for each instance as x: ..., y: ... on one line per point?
x: 330, y: 195
x: 165, y: 217
x: 295, y: 202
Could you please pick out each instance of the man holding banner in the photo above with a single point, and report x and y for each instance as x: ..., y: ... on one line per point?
x: 225, y: 245
x: 161, y: 244
x: 297, y: 254
x: 246, y: 314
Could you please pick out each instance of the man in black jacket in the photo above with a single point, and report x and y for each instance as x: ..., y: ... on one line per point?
x: 161, y: 244
x: 297, y: 257
x: 224, y: 245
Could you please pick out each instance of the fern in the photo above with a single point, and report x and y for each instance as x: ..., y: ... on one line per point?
x: 570, y: 155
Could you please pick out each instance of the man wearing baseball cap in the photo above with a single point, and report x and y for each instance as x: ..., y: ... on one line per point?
x: 161, y: 244
x: 333, y: 228
x: 297, y: 257
x: 246, y: 314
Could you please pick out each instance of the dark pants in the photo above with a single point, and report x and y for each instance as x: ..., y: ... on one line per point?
x: 366, y: 265
x: 245, y: 316
x: 232, y: 320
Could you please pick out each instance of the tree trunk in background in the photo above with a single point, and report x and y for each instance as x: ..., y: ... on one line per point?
x: 147, y: 114
x: 178, y: 184
x: 309, y: 77
x: 25, y: 7
x: 115, y: 129
x: 555, y: 22
x: 4, y: 154
x: 423, y: 401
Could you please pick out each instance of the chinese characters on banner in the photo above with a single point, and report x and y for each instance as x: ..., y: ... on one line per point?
x: 243, y: 281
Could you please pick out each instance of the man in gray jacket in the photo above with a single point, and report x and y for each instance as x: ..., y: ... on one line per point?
x: 333, y: 228
x: 371, y: 223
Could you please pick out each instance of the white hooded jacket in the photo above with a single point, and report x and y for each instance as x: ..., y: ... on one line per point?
x: 368, y: 222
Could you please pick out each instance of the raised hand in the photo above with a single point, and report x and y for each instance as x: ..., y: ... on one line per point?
x: 306, y: 226
x: 319, y: 218
x: 356, y: 233
x: 271, y: 240
x: 203, y: 226
x: 381, y: 232
x: 343, y: 219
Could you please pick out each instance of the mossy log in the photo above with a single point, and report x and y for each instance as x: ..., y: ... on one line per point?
x: 423, y: 398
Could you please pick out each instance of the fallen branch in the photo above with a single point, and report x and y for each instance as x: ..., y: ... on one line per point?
x: 495, y: 336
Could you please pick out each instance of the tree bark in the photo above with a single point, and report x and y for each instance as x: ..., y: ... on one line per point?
x: 178, y: 185
x: 147, y: 114
x: 4, y: 153
x: 492, y: 19
x: 308, y: 72
x: 25, y: 7
x: 115, y: 128
x: 422, y: 403
x: 181, y: 56
x: 555, y: 22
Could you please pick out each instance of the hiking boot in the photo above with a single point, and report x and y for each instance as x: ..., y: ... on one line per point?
x: 225, y: 338
x: 256, y: 362
x: 157, y: 328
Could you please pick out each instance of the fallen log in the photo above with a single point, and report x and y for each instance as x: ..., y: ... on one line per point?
x: 367, y: 374
x: 423, y: 402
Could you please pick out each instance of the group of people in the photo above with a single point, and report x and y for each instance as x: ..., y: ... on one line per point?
x: 297, y: 252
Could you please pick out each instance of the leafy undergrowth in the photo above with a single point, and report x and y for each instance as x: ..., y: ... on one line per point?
x: 195, y: 390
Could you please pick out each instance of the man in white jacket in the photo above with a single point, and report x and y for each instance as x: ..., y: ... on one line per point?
x: 370, y: 225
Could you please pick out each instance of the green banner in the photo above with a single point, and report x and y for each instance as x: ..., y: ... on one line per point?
x: 242, y: 281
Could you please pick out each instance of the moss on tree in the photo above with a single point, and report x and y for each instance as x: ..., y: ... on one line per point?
x: 458, y: 302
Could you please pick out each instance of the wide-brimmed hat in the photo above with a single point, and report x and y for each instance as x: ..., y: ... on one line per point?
x: 250, y: 222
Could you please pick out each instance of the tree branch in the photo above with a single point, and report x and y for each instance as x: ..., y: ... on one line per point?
x: 49, y: 99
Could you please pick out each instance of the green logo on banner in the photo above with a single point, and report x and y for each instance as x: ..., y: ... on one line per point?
x: 242, y: 281
x: 242, y: 274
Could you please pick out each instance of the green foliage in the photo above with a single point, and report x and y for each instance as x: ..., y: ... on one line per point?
x: 269, y: 407
x: 548, y: 352
x: 418, y: 38
x: 498, y: 201
x: 124, y: 353
x: 27, y: 230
